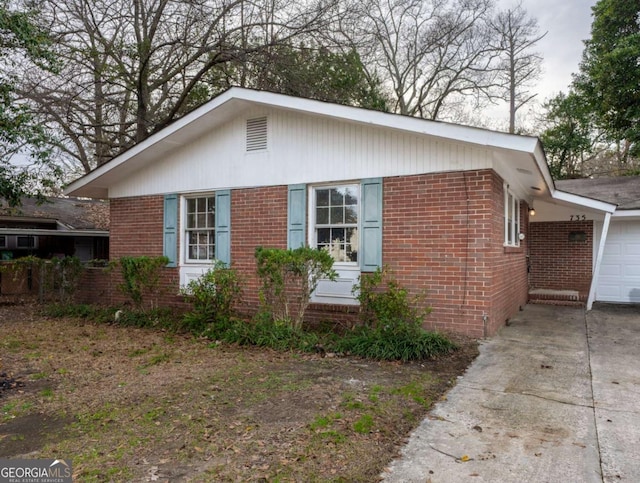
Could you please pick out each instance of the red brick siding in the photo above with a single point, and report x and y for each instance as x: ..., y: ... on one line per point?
x: 442, y: 235
x: 137, y: 226
x: 95, y: 287
x: 508, y: 265
x: 258, y: 218
x: 556, y: 262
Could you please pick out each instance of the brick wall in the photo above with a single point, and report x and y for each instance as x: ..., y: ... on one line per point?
x: 558, y: 262
x: 136, y: 229
x: 508, y: 265
x: 258, y: 218
x: 442, y: 235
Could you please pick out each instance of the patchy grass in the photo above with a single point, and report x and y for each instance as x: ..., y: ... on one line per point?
x: 133, y: 404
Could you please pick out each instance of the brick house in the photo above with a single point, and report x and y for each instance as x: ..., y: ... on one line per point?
x: 446, y: 207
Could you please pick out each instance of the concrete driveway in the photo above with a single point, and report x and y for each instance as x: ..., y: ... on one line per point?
x: 554, y: 397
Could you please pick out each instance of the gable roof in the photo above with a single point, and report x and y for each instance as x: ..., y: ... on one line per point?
x: 66, y: 214
x: 232, y: 102
x: 623, y: 191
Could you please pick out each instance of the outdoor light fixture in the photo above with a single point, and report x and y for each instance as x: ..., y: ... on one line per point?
x: 532, y: 212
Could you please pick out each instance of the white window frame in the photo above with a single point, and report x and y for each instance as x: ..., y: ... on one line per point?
x: 339, y: 291
x: 191, y: 269
x: 185, y: 230
x: 313, y: 241
x: 511, y: 224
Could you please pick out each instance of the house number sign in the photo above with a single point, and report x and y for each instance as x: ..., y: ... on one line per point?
x: 577, y: 217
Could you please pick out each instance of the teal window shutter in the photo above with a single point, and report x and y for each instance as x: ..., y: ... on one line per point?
x: 223, y: 226
x: 371, y: 225
x: 297, y: 216
x: 170, y: 238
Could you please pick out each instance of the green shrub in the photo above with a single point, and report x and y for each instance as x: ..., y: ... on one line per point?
x: 83, y: 311
x: 289, y: 277
x: 141, y: 279
x: 392, y: 323
x: 383, y: 300
x: 264, y: 332
x: 157, y: 318
x: 399, y: 342
x: 213, y: 297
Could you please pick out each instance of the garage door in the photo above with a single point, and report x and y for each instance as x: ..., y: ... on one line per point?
x: 619, y: 279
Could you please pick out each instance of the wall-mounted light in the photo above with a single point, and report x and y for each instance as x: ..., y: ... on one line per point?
x: 532, y: 211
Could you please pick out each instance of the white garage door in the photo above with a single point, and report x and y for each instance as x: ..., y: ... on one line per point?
x: 619, y: 279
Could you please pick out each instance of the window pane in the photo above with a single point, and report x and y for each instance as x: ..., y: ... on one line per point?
x: 322, y: 198
x: 323, y: 235
x: 351, y: 196
x: 337, y: 198
x: 192, y: 252
x: 337, y: 215
x: 191, y: 205
x: 201, y: 205
x: 201, y: 220
x: 351, y: 214
x: 322, y: 216
x: 191, y: 221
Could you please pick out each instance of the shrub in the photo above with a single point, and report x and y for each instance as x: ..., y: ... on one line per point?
x: 392, y: 323
x: 399, y: 342
x: 141, y: 279
x: 383, y: 300
x: 264, y: 332
x: 289, y: 277
x: 213, y: 297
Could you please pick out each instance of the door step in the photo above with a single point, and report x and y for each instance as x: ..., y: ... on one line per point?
x: 557, y: 297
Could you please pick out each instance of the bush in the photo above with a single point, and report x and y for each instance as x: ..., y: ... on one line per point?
x: 265, y: 332
x: 213, y: 297
x: 392, y: 323
x: 403, y: 343
x: 141, y: 279
x: 383, y: 300
x: 82, y: 311
x: 289, y: 277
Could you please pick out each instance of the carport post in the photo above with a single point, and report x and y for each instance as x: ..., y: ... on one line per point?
x: 596, y: 270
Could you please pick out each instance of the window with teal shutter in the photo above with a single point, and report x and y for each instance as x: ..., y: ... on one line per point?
x: 297, y: 216
x: 371, y: 224
x: 170, y: 239
x: 223, y: 226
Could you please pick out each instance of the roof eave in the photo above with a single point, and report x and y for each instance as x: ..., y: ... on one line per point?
x: 90, y: 186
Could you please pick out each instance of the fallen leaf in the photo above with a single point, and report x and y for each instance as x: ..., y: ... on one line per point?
x: 464, y: 458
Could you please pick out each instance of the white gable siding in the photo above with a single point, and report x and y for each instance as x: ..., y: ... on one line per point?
x: 301, y: 149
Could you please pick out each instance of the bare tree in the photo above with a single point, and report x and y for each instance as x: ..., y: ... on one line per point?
x: 515, y: 35
x: 432, y: 53
x: 132, y: 67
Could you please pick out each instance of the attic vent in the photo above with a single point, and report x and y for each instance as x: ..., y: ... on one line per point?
x: 257, y: 134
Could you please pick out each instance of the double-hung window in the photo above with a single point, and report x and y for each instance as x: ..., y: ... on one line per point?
x: 511, y: 219
x: 200, y: 228
x: 336, y: 216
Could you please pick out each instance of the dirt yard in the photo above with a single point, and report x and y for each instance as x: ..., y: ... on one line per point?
x: 128, y: 404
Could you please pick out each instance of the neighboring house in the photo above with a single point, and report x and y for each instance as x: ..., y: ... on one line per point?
x: 446, y: 207
x: 54, y: 228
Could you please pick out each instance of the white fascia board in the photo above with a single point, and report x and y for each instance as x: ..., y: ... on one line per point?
x: 627, y: 214
x: 451, y: 132
x: 583, y: 201
x: 150, y: 141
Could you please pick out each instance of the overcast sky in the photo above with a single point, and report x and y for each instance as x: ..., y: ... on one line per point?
x: 568, y: 23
